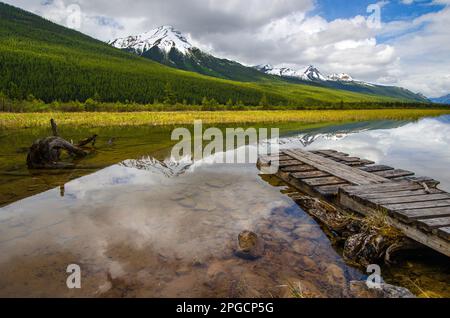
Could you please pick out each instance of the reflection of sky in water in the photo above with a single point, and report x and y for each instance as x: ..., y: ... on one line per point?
x: 196, y: 214
x: 422, y: 147
x: 195, y: 211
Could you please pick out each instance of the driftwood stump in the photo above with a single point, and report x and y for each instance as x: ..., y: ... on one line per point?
x: 46, y: 153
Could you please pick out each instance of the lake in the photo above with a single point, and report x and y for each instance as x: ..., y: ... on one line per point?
x: 139, y: 225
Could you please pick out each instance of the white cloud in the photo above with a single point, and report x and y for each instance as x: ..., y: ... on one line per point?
x: 284, y: 32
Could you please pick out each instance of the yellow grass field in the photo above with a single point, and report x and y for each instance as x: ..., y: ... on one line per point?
x: 97, y: 119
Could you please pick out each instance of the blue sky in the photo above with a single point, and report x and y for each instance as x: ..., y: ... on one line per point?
x: 410, y: 48
x: 393, y: 10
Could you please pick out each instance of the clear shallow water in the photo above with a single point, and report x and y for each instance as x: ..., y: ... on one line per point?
x: 138, y: 232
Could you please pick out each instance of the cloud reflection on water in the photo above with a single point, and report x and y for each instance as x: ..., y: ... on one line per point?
x: 422, y: 147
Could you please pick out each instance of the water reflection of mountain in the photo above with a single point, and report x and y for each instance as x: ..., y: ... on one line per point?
x: 168, y: 168
x: 444, y: 119
x: 309, y: 136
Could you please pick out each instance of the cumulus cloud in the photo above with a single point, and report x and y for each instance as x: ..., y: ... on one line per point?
x: 424, y: 55
x: 414, y: 54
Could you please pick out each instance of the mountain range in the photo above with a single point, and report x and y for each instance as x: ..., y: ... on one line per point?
x: 441, y: 100
x: 309, y: 73
x: 169, y: 46
x: 46, y: 61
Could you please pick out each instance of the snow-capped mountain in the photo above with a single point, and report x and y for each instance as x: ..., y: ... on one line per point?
x: 310, y: 73
x: 164, y: 38
x: 283, y: 71
x: 343, y: 77
x: 168, y: 46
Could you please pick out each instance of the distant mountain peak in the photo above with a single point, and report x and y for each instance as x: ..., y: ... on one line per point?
x: 312, y: 73
x: 309, y: 73
x: 340, y: 77
x: 283, y: 71
x: 165, y: 37
x: 264, y: 67
x: 441, y: 100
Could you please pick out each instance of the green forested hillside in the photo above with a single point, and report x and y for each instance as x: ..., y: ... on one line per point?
x: 364, y: 88
x: 51, y: 62
x: 206, y: 64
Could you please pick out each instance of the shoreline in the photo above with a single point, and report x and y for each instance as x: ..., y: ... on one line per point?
x: 105, y: 119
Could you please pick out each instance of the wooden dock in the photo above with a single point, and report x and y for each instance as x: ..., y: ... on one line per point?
x: 413, y: 205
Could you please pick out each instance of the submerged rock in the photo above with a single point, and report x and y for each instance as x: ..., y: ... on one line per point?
x: 335, y: 276
x: 308, y: 231
x: 304, y: 247
x: 250, y: 246
x: 359, y: 289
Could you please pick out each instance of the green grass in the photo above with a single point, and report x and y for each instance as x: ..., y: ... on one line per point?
x: 51, y: 63
x: 99, y: 119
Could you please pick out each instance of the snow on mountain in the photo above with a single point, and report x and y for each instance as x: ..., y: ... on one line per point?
x: 264, y: 67
x: 283, y: 71
x: 340, y: 77
x: 165, y: 38
x: 308, y: 139
x: 309, y: 73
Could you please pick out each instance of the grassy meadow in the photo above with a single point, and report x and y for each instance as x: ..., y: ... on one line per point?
x: 103, y: 119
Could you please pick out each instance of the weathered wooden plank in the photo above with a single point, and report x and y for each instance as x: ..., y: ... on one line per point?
x: 303, y: 187
x: 430, y: 224
x: 298, y: 168
x: 430, y: 182
x: 366, y: 162
x: 376, y: 168
x: 407, y: 193
x: 415, y: 214
x: 310, y: 174
x: 348, y: 159
x: 324, y: 181
x: 345, y: 159
x: 444, y: 232
x: 410, y: 230
x: 328, y: 190
x: 417, y: 205
x: 287, y: 163
x: 394, y: 173
x: 382, y: 187
x: 328, y: 152
x: 279, y: 157
x: 433, y: 241
x: 339, y: 170
x: 421, y: 213
x: 340, y: 156
x: 283, y: 158
x: 359, y: 163
x: 414, y: 198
